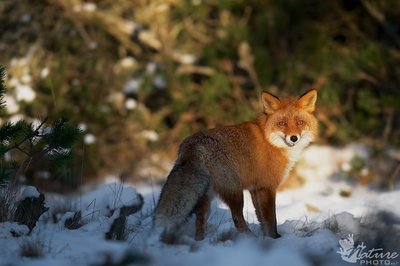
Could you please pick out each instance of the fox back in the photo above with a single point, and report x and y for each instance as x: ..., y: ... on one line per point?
x: 255, y: 155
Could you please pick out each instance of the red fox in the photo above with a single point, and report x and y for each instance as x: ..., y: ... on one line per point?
x: 255, y: 156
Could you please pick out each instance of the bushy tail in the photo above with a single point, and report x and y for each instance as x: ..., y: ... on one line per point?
x: 179, y: 196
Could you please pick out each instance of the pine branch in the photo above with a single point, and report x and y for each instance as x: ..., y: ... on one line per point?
x: 2, y: 86
x: 27, y: 137
x: 62, y: 135
x: 32, y: 143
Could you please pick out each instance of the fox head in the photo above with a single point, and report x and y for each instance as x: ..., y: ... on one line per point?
x: 291, y: 122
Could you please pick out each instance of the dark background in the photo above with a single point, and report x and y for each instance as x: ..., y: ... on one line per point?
x: 139, y: 76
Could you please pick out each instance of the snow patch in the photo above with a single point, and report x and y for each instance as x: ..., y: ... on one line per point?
x: 89, y: 139
x: 311, y: 219
x: 130, y: 104
x: 11, y: 104
x: 29, y: 192
x: 132, y: 86
x: 25, y: 93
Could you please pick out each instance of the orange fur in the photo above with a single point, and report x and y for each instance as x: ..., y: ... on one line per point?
x: 255, y: 156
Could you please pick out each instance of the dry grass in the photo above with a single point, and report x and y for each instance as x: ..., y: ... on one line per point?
x: 331, y: 224
x: 59, y: 208
x: 130, y: 258
x: 306, y: 227
x: 117, y: 230
x: 7, y: 206
x: 75, y: 221
x: 29, y: 211
x: 32, y: 248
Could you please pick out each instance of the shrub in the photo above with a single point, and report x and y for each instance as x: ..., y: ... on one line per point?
x: 24, y: 146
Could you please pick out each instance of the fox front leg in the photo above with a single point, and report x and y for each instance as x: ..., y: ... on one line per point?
x: 265, y: 199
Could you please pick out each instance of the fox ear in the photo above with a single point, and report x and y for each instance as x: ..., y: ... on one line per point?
x: 307, y: 100
x: 271, y: 102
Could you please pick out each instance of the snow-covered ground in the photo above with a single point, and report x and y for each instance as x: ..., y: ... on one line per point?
x: 312, y: 220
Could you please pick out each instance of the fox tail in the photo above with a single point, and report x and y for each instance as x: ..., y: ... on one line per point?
x: 178, y: 198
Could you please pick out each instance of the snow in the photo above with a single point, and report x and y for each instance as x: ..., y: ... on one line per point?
x: 89, y: 139
x: 29, y: 192
x: 187, y: 59
x: 82, y: 126
x: 131, y: 104
x: 160, y: 82
x: 7, y: 229
x: 44, y: 73
x: 151, y: 68
x: 150, y: 135
x: 24, y: 93
x: 89, y: 7
x: 132, y: 86
x: 108, y: 197
x: 312, y: 219
x: 128, y: 62
x: 14, y: 119
x: 11, y: 104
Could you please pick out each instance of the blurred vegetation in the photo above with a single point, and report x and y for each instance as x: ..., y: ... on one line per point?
x: 24, y: 146
x: 138, y: 76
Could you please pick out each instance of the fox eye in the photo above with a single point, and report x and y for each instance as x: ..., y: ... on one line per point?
x: 282, y: 123
x: 300, y: 122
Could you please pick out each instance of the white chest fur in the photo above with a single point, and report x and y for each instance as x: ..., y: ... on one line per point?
x: 292, y: 152
x: 293, y: 155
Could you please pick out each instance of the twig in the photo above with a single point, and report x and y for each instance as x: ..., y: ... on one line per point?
x: 381, y: 20
x: 31, y: 158
x: 246, y: 62
x: 388, y: 127
x: 331, y: 127
x: 190, y: 69
x: 125, y: 31
x: 392, y: 178
x: 22, y: 168
x: 119, y: 28
x: 21, y: 150
x: 349, y: 21
x: 195, y: 32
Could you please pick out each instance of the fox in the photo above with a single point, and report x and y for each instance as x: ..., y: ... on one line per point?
x: 255, y: 155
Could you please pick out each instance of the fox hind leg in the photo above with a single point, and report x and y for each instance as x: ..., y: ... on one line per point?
x: 202, y: 211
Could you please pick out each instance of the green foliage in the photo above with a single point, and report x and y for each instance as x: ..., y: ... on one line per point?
x: 62, y: 135
x: 23, y: 144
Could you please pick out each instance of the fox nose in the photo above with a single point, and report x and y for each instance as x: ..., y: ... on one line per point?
x: 293, y: 138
